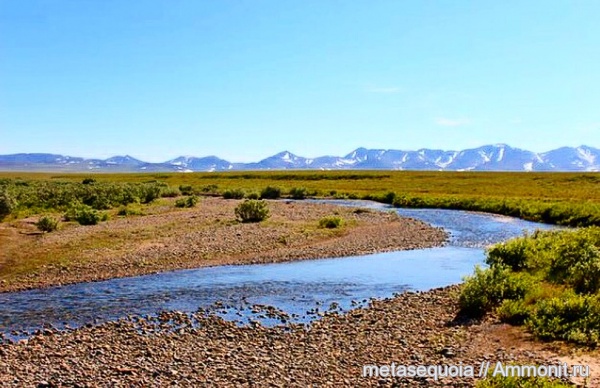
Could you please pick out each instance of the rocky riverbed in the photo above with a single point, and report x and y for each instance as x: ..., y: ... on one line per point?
x: 204, y: 350
x: 167, y: 238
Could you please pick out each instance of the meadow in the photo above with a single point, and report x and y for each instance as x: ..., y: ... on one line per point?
x: 561, y: 198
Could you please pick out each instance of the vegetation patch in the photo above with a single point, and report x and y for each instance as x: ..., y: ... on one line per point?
x: 130, y: 210
x: 188, y: 202
x: 84, y: 214
x: 560, y: 198
x: 331, y: 222
x: 549, y: 281
x: 298, y: 193
x: 234, y: 194
x: 270, y: 192
x: 7, y: 204
x: 47, y: 224
x: 252, y: 210
x: 521, y: 382
x: 170, y: 192
x: 186, y: 189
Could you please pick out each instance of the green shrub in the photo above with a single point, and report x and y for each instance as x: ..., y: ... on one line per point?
x: 298, y: 193
x: 88, y: 181
x: 270, y: 192
x: 234, y: 194
x: 88, y: 217
x: 514, y: 311
x: 510, y: 253
x: 186, y: 189
x: 84, y: 215
x: 149, y: 192
x: 575, y: 260
x: 561, y: 257
x: 389, y: 197
x: 170, y: 192
x: 570, y: 316
x: 190, y: 201
x: 253, y: 195
x: 500, y: 381
x: 331, y: 222
x: 130, y: 211
x: 47, y: 224
x: 213, y: 189
x: 7, y: 204
x: 487, y: 288
x: 561, y: 213
x: 252, y: 210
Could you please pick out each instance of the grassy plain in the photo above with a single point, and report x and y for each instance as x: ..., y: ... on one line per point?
x: 539, y: 186
x: 562, y: 198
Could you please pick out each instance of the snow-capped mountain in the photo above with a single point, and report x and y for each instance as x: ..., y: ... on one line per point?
x: 124, y: 160
x: 207, y: 163
x: 497, y: 157
x: 582, y: 158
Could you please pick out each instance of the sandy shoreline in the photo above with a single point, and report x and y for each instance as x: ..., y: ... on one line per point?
x: 167, y: 239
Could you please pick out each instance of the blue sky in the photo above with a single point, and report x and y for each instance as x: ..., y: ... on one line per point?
x: 246, y: 79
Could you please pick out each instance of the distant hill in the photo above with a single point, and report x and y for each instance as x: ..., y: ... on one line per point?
x: 497, y: 157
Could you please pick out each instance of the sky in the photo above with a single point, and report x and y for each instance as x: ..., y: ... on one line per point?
x: 244, y: 80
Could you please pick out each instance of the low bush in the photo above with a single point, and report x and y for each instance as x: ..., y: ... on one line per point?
x: 252, y: 210
x: 298, y: 193
x: 170, y: 192
x: 270, y: 192
x: 514, y: 311
x: 556, y: 212
x: 234, y: 194
x: 511, y: 253
x: 47, y: 224
x: 549, y: 281
x: 570, y: 316
x: 388, y: 198
x: 487, y: 288
x: 130, y: 211
x: 212, y: 189
x: 500, y: 381
x: 190, y: 201
x: 253, y: 195
x: 149, y: 192
x: 186, y: 189
x: 88, y: 181
x: 7, y: 204
x: 569, y: 257
x: 84, y: 215
x: 331, y: 222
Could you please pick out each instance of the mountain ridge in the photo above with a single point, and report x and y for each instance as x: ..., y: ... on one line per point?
x: 492, y: 157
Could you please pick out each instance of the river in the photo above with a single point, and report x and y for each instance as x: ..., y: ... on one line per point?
x: 301, y: 289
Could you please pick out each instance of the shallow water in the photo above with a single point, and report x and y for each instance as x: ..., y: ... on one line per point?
x: 295, y: 287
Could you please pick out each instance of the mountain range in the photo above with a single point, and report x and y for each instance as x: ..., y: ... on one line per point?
x: 496, y: 157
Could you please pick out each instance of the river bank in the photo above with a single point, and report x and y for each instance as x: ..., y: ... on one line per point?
x: 411, y: 328
x: 168, y: 239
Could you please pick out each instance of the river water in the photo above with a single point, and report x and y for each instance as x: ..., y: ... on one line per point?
x: 299, y: 288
